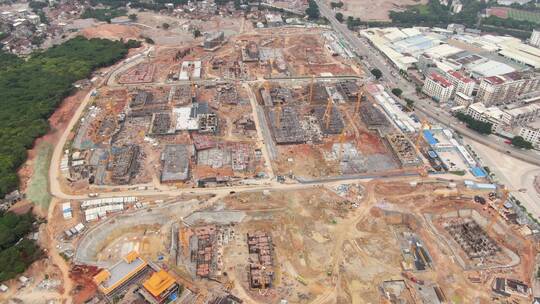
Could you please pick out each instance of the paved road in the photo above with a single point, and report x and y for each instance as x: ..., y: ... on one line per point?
x: 391, y: 79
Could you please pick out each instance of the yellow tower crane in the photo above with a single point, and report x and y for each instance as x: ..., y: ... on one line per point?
x: 311, y: 89
x: 357, y: 106
x: 328, y: 113
x: 425, y: 126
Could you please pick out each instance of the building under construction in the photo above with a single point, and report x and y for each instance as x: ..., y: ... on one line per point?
x: 261, y: 272
x: 286, y: 127
x: 349, y: 89
x: 403, y: 150
x: 250, y: 53
x: 202, y: 247
x: 161, y: 124
x: 124, y: 164
x: 213, y: 40
x: 330, y: 119
x: 472, y: 239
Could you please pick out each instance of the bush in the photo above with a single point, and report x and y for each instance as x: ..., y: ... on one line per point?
x: 377, y: 73
x: 520, y: 142
x: 397, y: 91
x: 312, y: 11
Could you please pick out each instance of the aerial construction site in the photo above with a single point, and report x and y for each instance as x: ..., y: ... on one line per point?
x: 310, y: 135
x: 254, y: 165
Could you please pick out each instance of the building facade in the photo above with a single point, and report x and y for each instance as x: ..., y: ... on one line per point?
x: 506, y: 88
x: 531, y: 135
x: 462, y: 84
x: 438, y: 87
x: 535, y: 38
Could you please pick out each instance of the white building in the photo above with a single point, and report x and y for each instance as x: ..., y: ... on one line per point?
x: 535, y: 38
x: 506, y: 88
x: 461, y: 99
x: 530, y: 134
x: 523, y: 115
x: 462, y: 84
x: 493, y: 115
x: 438, y: 87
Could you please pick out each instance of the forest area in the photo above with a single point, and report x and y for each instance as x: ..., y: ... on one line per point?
x: 30, y: 91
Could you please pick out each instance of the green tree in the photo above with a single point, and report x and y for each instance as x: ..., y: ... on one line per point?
x: 312, y: 11
x: 410, y: 103
x: 133, y: 17
x: 336, y: 4
x: 478, y: 126
x: 339, y: 17
x: 397, y: 91
x: 377, y: 73
x: 197, y: 33
x: 520, y: 142
x: 165, y: 26
x: 31, y: 90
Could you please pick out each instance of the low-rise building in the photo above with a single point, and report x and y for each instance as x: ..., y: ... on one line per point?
x: 161, y: 287
x: 523, y: 115
x: 497, y: 117
x: 438, y: 87
x: 120, y: 274
x: 461, y: 99
x: 530, y: 134
x: 273, y: 20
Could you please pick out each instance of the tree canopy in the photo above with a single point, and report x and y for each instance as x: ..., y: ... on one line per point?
x: 313, y: 10
x: 16, y: 252
x: 520, y: 142
x: 31, y: 90
x: 478, y: 126
x: 377, y: 73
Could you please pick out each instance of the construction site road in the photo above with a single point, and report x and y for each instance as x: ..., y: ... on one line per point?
x: 391, y: 79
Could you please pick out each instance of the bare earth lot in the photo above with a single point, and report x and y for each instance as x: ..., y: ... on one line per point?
x: 374, y: 10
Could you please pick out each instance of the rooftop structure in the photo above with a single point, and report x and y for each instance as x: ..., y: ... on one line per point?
x: 111, y: 279
x: 161, y: 286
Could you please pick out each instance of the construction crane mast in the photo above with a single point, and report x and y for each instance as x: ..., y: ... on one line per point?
x: 505, y: 194
x: 425, y: 126
x: 311, y: 89
x: 328, y: 113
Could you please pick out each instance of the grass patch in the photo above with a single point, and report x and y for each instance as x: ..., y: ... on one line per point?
x: 38, y: 188
x: 524, y: 15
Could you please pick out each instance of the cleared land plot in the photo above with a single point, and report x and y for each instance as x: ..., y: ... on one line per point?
x: 371, y: 10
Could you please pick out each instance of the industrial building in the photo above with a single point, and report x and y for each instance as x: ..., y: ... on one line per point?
x: 127, y: 271
x: 175, y: 163
x: 438, y: 88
